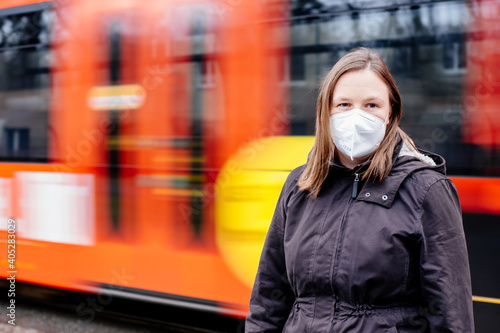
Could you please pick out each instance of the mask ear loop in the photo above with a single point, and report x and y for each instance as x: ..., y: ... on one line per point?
x: 385, y: 125
x: 352, y: 144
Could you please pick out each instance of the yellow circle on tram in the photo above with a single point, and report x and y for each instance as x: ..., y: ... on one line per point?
x: 248, y: 187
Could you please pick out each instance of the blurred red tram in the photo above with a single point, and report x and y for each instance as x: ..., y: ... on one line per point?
x: 143, y: 144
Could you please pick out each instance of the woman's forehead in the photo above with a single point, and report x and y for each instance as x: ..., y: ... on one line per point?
x: 360, y: 83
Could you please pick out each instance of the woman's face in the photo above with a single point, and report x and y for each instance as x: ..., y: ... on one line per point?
x: 364, y: 90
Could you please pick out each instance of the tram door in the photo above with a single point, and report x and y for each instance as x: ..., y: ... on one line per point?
x: 174, y: 128
x: 151, y: 99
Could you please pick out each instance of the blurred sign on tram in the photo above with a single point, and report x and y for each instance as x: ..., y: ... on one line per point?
x: 122, y: 97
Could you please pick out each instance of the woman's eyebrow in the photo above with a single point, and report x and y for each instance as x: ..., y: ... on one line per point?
x: 341, y: 99
x: 373, y: 98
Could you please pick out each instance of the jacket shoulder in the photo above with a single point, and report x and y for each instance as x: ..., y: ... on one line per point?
x: 290, y: 187
x: 426, y: 177
x: 432, y: 189
x: 295, y: 173
x: 293, y: 177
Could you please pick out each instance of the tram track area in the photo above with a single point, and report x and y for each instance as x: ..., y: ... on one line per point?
x: 43, y: 309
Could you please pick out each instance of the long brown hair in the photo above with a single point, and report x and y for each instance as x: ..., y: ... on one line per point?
x: 323, y: 151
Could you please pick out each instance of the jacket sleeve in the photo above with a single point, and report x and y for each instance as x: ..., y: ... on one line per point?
x: 272, y: 298
x: 444, y: 265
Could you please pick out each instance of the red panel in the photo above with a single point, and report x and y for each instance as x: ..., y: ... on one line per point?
x: 479, y: 195
x: 481, y: 119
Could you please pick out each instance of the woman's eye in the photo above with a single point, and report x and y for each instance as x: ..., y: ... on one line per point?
x: 372, y: 106
x: 344, y: 105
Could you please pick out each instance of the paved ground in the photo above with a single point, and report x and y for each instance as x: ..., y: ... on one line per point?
x: 36, y: 318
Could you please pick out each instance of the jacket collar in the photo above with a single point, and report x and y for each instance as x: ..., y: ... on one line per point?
x: 405, y: 161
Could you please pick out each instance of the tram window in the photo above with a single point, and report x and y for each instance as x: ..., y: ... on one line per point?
x: 297, y: 68
x: 207, y: 76
x: 24, y: 83
x: 403, y: 59
x: 453, y: 56
x: 448, y: 56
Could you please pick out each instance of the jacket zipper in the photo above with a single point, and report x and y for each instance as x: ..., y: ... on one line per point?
x: 355, y: 186
x: 341, y: 229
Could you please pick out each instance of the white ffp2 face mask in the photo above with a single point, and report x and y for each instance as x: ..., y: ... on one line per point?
x: 356, y: 133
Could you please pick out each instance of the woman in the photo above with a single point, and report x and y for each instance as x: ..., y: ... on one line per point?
x: 368, y: 235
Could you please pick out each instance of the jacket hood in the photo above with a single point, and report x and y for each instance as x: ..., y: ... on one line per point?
x: 406, y: 161
x: 407, y: 153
